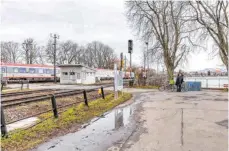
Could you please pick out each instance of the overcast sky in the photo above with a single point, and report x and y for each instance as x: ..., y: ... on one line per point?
x: 82, y: 21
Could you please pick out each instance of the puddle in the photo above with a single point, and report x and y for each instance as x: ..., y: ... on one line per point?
x: 111, y: 121
x: 100, y: 133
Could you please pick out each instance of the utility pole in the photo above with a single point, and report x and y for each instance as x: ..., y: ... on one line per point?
x: 55, y: 36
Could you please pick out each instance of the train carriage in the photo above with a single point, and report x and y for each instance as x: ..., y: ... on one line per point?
x: 39, y: 73
x: 29, y: 72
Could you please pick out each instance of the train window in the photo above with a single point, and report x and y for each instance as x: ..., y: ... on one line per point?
x: 31, y: 70
x: 10, y: 70
x: 36, y: 70
x: 3, y: 70
x: 27, y: 70
x: 15, y: 70
x: 48, y: 71
x: 72, y: 73
x: 64, y: 73
x: 22, y: 70
x: 40, y: 70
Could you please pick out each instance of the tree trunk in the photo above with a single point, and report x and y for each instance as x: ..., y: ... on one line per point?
x: 170, y: 72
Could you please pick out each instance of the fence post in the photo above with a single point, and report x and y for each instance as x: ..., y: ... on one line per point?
x: 85, y: 97
x: 102, y: 92
x: 206, y: 83
x: 3, y: 123
x: 54, y: 106
x: 21, y: 85
x: 2, y: 86
x: 27, y: 84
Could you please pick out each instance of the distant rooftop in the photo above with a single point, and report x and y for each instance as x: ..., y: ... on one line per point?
x: 75, y: 65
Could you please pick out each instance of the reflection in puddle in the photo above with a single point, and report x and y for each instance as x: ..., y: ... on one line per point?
x: 121, y: 117
x: 97, y: 132
x: 112, y: 127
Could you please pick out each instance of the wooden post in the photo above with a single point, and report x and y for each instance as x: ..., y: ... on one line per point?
x: 85, y: 97
x: 21, y: 85
x: 102, y: 92
x: 54, y: 107
x: 3, y: 123
x: 27, y: 84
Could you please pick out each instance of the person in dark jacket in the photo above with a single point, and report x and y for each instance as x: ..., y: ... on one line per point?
x: 179, y: 82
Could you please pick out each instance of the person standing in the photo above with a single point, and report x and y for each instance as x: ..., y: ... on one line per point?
x: 179, y: 81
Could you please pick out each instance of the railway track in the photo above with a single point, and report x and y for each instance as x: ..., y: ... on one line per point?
x: 29, y: 99
x: 40, y: 97
x: 25, y: 92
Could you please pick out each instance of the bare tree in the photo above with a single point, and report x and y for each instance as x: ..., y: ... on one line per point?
x: 213, y: 15
x: 32, y: 52
x: 68, y: 51
x: 10, y: 52
x: 49, y: 51
x: 99, y: 55
x: 163, y: 22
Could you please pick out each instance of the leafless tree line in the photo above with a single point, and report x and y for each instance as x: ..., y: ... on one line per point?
x: 94, y: 54
x: 175, y: 28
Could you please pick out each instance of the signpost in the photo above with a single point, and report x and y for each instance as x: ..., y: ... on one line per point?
x: 118, y: 81
x: 115, y: 82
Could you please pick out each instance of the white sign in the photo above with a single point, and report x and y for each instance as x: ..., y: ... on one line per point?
x: 115, y: 78
x: 120, y: 81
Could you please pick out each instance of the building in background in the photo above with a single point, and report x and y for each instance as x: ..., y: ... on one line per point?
x: 76, y: 74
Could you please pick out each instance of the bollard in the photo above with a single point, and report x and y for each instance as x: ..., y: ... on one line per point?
x: 85, y: 97
x: 21, y: 85
x: 54, y: 106
x: 3, y: 123
x: 102, y: 92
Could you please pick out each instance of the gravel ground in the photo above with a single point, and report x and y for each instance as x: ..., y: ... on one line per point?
x: 18, y: 112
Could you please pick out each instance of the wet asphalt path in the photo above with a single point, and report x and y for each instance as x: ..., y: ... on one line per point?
x: 101, y: 133
x: 155, y: 121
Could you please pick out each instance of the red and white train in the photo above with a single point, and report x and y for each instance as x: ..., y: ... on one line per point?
x: 39, y: 73
x: 29, y: 72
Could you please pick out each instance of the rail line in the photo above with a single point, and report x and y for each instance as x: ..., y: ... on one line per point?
x: 29, y: 99
x: 18, y: 101
x: 25, y: 92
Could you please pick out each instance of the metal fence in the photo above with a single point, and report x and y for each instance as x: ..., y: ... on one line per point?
x: 209, y: 82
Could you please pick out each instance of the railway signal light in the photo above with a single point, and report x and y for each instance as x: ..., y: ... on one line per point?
x: 130, y: 46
